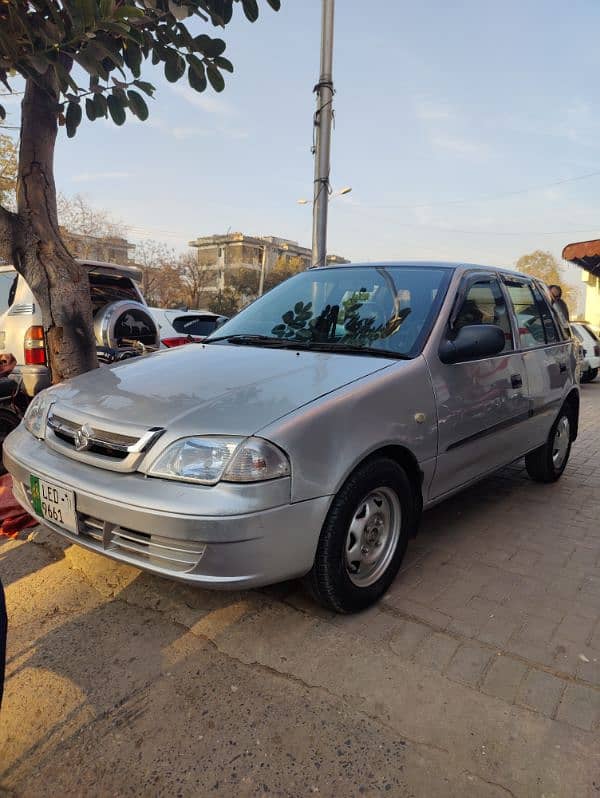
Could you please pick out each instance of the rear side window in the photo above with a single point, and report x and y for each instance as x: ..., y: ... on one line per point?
x: 111, y: 288
x: 195, y: 325
x: 590, y: 332
x: 530, y: 323
x: 485, y: 304
x: 8, y: 285
x: 552, y: 336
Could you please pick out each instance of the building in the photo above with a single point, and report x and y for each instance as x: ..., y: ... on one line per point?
x: 586, y: 255
x: 111, y: 249
x: 223, y: 253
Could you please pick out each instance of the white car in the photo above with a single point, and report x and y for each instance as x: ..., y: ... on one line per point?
x: 177, y: 327
x: 121, y: 319
x: 591, y: 350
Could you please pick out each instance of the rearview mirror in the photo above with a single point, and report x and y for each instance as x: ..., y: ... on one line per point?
x: 473, y: 342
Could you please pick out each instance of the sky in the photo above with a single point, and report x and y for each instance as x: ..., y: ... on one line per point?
x: 467, y: 131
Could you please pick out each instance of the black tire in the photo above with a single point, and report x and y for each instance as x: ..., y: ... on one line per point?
x: 329, y: 580
x: 8, y: 422
x: 541, y: 464
x: 590, y: 375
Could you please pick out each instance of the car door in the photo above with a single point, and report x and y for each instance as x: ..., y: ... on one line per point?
x: 548, y: 356
x: 481, y: 403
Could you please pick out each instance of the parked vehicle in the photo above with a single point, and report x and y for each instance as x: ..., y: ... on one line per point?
x: 306, y: 436
x: 591, y: 350
x: 121, y: 320
x: 179, y: 327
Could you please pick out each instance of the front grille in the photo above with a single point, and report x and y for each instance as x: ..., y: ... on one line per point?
x: 180, y: 556
x: 91, y: 442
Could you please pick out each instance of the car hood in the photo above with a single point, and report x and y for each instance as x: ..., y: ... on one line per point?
x: 214, y: 389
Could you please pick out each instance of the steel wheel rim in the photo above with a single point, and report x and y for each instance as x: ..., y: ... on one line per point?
x: 372, y: 537
x: 560, y: 444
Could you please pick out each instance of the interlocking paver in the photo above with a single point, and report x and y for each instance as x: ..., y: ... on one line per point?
x: 407, y: 637
x: 468, y: 664
x: 504, y: 678
x: 512, y: 566
x: 580, y: 706
x: 541, y: 692
x: 436, y: 652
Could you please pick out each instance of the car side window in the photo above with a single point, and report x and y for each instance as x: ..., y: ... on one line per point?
x: 552, y: 336
x: 484, y: 304
x: 530, y: 323
x: 8, y: 285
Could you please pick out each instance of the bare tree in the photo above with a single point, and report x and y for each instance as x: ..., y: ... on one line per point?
x: 197, y: 279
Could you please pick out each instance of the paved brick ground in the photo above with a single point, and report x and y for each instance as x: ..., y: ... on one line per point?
x: 501, y: 590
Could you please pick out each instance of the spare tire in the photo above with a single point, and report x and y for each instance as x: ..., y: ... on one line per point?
x: 120, y: 323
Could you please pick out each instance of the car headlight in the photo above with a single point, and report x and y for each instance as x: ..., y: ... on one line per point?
x: 36, y: 414
x: 221, y: 459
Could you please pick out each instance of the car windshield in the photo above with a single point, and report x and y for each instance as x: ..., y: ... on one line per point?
x: 373, y: 309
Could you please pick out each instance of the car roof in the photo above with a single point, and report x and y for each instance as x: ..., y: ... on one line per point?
x: 437, y: 264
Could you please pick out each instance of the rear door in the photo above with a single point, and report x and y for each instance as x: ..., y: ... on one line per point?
x: 482, y: 404
x: 549, y: 358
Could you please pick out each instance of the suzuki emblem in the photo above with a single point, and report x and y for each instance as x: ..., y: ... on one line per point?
x: 83, y: 438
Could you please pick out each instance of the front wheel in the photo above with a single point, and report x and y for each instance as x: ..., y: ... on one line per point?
x: 589, y: 375
x: 364, y: 537
x: 547, y: 463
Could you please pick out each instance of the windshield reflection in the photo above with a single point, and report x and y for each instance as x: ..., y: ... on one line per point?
x: 375, y: 308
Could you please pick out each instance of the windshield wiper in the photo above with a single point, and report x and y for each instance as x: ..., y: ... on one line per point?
x: 242, y: 338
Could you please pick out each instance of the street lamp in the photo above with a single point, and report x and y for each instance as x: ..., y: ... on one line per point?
x: 342, y: 192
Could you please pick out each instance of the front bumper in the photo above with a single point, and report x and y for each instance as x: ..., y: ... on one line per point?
x: 226, y: 536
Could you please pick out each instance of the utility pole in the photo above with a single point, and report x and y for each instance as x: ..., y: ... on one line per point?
x: 322, y: 148
x: 263, y: 269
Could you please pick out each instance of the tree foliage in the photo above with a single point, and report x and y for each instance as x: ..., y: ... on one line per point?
x: 94, y: 51
x: 8, y: 170
x: 545, y: 267
x: 84, y: 57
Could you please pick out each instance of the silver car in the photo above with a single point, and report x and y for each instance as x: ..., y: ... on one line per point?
x: 306, y: 436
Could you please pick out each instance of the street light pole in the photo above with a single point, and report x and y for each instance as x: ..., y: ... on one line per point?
x: 322, y: 150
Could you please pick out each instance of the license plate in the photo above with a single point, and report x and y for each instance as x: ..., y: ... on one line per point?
x: 54, y: 503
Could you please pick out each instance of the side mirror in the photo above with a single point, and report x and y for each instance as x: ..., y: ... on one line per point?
x: 220, y: 322
x: 473, y: 342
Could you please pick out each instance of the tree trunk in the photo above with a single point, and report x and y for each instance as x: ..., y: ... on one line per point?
x: 60, y: 285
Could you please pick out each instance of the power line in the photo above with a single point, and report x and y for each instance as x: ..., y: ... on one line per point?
x: 488, y: 197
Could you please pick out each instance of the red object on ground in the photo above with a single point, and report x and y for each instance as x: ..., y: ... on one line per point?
x: 13, y: 517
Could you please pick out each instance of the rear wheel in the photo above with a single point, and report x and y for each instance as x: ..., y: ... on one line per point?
x: 364, y: 537
x: 589, y: 375
x: 547, y: 463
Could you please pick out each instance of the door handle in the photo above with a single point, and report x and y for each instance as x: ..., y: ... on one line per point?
x: 516, y: 381
x: 562, y: 368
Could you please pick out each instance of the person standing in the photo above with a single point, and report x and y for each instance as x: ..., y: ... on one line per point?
x: 558, y: 302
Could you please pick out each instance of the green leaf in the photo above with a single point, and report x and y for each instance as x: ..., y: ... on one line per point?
x: 100, y: 105
x: 137, y: 104
x: 72, y: 118
x: 147, y: 88
x: 211, y: 48
x: 116, y: 110
x: 2, y: 113
x: 128, y: 12
x: 90, y: 108
x: 250, y: 9
x: 174, y: 66
x: 223, y: 63
x: 275, y: 4
x: 215, y: 78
